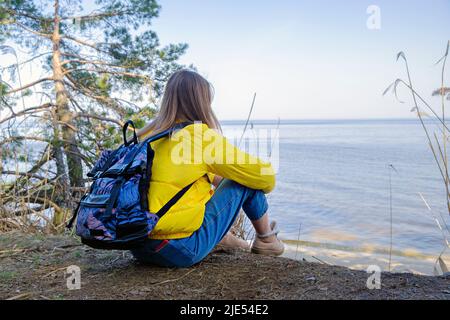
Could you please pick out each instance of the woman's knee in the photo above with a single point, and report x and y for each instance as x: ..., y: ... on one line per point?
x: 256, y: 205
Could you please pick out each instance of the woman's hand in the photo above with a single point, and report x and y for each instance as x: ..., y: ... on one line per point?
x: 217, y: 180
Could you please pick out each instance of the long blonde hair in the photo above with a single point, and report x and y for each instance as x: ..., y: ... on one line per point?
x: 187, y: 97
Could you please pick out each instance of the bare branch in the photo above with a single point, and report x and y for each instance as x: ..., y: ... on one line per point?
x: 88, y: 161
x: 45, y: 157
x: 31, y: 138
x: 19, y: 138
x: 27, y: 111
x: 84, y: 43
x: 36, y: 33
x: 30, y: 85
x: 93, y: 116
x: 26, y: 61
x: 23, y: 174
x: 65, y: 54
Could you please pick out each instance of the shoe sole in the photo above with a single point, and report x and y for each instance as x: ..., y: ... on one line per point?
x: 267, y: 252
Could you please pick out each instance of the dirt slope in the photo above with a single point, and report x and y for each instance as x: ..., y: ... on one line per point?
x: 33, y: 267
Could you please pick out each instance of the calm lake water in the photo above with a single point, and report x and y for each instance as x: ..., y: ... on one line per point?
x: 332, y: 192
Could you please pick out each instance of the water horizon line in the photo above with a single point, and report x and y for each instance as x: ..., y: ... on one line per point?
x: 318, y: 120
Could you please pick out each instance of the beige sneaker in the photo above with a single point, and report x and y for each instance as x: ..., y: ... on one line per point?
x: 231, y: 241
x: 268, y: 244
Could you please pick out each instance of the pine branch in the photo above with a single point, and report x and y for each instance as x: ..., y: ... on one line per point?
x: 125, y: 74
x: 92, y: 95
x: 96, y: 16
x: 26, y: 15
x: 95, y: 63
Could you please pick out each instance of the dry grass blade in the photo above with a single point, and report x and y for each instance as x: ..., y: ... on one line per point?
x: 248, y: 119
x: 442, y: 265
x: 54, y: 271
x: 401, y: 54
x: 390, y: 167
x: 298, y: 241
x: 389, y: 88
x: 435, y: 219
x: 320, y: 260
x: 11, y: 250
x: 21, y: 296
x: 273, y: 142
x: 238, y: 229
x: 393, y: 87
x: 173, y: 280
x: 445, y: 55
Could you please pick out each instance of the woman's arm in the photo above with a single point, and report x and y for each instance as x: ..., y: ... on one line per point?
x: 239, y: 166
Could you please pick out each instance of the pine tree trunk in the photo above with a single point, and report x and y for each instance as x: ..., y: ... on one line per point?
x: 64, y: 115
x: 72, y: 173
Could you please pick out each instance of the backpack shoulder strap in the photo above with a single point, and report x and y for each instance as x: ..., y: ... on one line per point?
x: 174, y: 200
x: 167, y: 132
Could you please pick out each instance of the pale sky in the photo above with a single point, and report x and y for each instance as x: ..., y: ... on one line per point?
x: 314, y: 59
x: 308, y: 59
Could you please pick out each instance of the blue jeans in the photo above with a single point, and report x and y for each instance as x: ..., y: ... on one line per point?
x: 220, y: 213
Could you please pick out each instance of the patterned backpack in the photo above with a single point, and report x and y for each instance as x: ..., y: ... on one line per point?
x: 115, y: 214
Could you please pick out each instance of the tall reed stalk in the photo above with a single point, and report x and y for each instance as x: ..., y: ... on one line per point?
x: 437, y: 141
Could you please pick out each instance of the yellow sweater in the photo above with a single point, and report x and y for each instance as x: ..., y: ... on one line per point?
x: 197, y: 153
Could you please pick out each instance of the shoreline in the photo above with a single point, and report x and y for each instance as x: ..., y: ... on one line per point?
x: 360, y: 258
x: 34, y: 266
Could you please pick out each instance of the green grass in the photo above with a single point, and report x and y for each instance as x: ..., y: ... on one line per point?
x: 7, y: 275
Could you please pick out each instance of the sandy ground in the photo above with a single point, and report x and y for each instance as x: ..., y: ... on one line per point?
x: 34, y: 267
